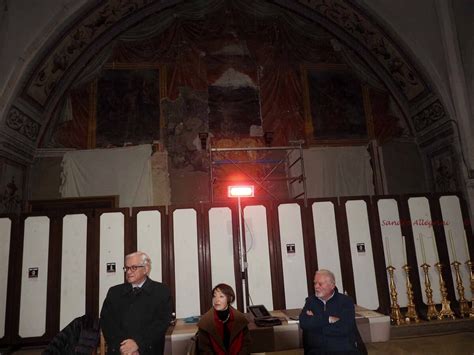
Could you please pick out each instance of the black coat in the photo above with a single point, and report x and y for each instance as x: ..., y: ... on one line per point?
x: 320, y: 336
x: 81, y: 336
x: 143, y: 317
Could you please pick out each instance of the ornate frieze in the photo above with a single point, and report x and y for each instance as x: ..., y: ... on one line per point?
x: 73, y: 44
x: 354, y: 22
x: 21, y: 123
x: 429, y: 115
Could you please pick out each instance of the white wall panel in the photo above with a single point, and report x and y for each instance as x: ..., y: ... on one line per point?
x: 149, y: 240
x: 112, y: 250
x: 186, y: 263
x: 73, y: 268
x: 393, y: 245
x: 325, y: 234
x: 294, y: 269
x: 420, y: 216
x: 5, y: 232
x: 362, y: 263
x: 34, y: 290
x: 222, y: 248
x: 456, y: 240
x: 258, y: 256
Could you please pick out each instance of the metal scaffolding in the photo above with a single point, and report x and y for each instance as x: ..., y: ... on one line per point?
x: 219, y: 157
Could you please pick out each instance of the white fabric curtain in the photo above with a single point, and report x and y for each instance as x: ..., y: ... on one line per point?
x: 125, y: 172
x: 334, y: 171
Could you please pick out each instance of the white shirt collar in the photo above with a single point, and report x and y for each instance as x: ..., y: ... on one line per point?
x: 324, y: 301
x: 140, y: 284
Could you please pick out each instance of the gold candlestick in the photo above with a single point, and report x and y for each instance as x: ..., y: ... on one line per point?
x: 411, y: 310
x: 469, y: 264
x: 446, y: 311
x: 395, y: 315
x: 463, y: 304
x: 431, y: 312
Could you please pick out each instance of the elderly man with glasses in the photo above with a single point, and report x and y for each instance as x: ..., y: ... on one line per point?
x: 136, y: 314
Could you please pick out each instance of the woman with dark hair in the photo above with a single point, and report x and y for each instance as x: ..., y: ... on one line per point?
x: 223, y: 329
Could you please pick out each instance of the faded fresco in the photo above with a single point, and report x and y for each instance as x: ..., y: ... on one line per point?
x: 128, y: 108
x: 337, y: 107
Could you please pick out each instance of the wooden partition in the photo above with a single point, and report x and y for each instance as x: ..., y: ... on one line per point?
x: 6, y: 225
x: 59, y: 266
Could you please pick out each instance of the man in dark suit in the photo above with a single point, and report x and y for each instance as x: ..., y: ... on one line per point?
x: 136, y: 314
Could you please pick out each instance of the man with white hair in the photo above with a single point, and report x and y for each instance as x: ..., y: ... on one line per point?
x: 328, y: 319
x: 136, y: 314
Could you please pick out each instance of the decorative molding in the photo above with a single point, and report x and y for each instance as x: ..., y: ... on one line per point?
x: 428, y: 116
x: 445, y: 169
x: 23, y: 124
x: 65, y: 53
x: 361, y: 27
x: 12, y: 152
x: 52, y: 152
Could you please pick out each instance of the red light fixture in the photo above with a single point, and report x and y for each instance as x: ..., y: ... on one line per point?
x: 241, y: 191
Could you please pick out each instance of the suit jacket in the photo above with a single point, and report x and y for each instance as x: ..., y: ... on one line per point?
x: 143, y: 317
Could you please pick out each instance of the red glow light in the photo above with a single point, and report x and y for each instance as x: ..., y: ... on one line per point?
x: 240, y: 191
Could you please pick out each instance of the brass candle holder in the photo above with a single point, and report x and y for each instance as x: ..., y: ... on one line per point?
x: 411, y: 314
x: 469, y: 264
x: 431, y: 312
x: 395, y: 314
x: 446, y: 311
x: 463, y: 304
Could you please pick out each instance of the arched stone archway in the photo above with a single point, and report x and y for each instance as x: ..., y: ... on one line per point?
x: 59, y: 63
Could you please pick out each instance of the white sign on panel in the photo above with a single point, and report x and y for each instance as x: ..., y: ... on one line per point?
x: 149, y: 240
x: 5, y: 230
x: 73, y: 268
x: 393, y: 245
x: 186, y: 263
x: 258, y: 255
x: 325, y: 235
x: 112, y: 250
x: 292, y: 250
x: 222, y: 247
x: 362, y: 262
x: 34, y: 288
x: 425, y: 244
x: 456, y: 240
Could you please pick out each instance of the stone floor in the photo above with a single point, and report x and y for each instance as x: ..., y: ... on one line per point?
x: 447, y: 344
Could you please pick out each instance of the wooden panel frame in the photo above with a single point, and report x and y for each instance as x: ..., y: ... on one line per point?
x: 14, y: 274
x: 165, y: 262
x: 377, y: 246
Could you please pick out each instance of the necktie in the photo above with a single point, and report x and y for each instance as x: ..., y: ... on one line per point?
x: 136, y: 290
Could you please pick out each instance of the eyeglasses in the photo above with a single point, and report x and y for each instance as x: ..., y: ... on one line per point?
x: 133, y: 267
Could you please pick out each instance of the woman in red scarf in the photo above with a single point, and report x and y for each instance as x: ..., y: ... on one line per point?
x: 223, y: 329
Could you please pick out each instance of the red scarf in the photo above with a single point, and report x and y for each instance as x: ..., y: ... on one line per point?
x: 235, y: 344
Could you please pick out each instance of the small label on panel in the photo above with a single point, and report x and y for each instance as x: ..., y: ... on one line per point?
x: 290, y: 249
x: 361, y: 247
x: 111, y: 267
x: 33, y: 272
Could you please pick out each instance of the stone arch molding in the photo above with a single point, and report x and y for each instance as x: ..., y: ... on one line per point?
x: 59, y: 63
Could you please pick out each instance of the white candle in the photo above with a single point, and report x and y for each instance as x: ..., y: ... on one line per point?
x: 453, y: 249
x: 404, y: 250
x: 389, y: 258
x: 435, y: 249
x: 422, y: 249
x: 467, y: 246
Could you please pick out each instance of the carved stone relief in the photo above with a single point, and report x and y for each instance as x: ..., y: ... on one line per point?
x: 428, y: 116
x: 21, y: 123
